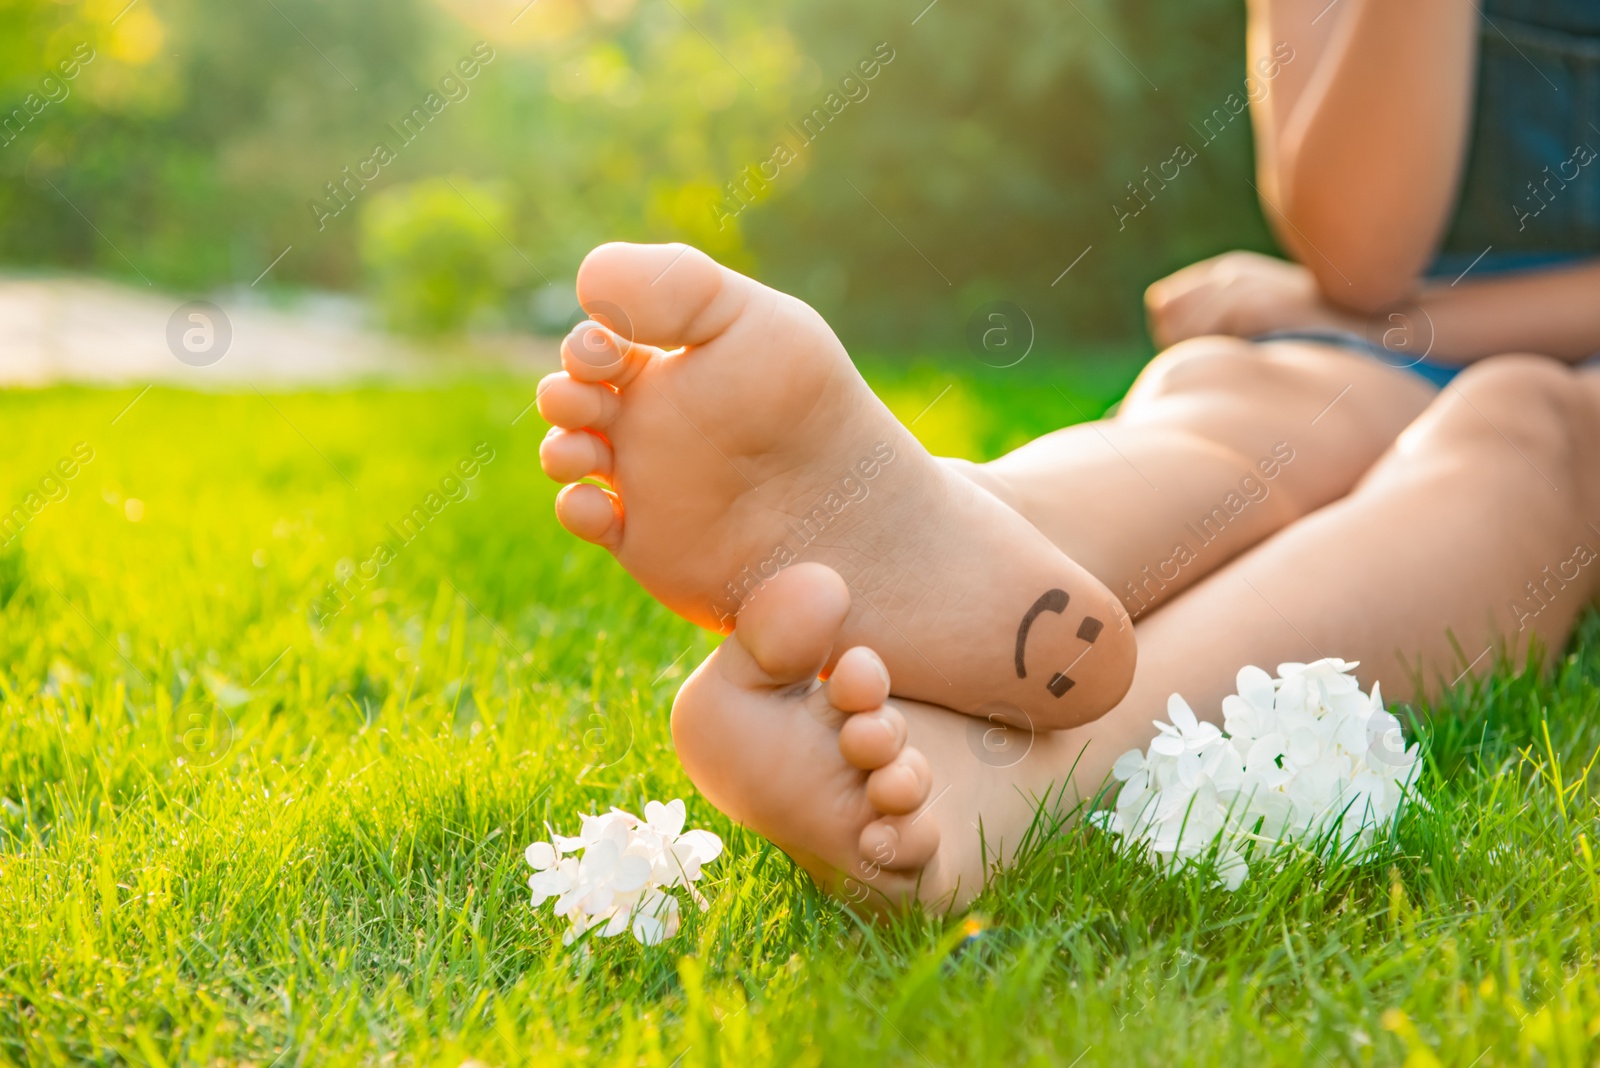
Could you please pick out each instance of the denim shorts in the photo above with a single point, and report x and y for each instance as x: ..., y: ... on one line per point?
x: 1438, y: 373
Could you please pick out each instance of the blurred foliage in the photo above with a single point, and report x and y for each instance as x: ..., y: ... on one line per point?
x: 201, y: 140
x: 435, y: 253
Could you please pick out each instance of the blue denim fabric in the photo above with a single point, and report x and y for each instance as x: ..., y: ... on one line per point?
x: 1439, y: 374
x: 1525, y: 188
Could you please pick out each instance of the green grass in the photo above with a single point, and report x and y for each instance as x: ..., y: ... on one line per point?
x: 229, y: 835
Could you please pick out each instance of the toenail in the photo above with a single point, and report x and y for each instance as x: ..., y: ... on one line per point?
x: 883, y: 852
x: 594, y: 349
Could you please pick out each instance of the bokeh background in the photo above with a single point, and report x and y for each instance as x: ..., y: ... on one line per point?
x: 200, y: 140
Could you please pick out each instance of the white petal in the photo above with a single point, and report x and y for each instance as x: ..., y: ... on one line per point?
x: 631, y: 873
x: 656, y: 920
x: 1167, y: 745
x: 1350, y: 731
x: 600, y: 899
x: 1227, y: 774
x: 1128, y: 765
x: 1181, y: 715
x: 550, y: 882
x: 599, y: 860
x: 1255, y: 686
x: 541, y: 855
x: 569, y: 901
x: 618, y: 832
x: 668, y: 818
x: 706, y: 846
x: 1304, y: 747
x: 1243, y: 720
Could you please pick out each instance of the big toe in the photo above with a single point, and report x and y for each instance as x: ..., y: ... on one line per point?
x: 789, y: 627
x: 668, y: 295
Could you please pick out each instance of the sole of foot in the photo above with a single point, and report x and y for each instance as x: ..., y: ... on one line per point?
x: 887, y: 804
x: 731, y: 437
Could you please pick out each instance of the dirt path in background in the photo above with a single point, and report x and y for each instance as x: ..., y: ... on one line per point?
x: 83, y: 330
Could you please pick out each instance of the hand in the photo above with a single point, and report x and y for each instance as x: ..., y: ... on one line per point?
x: 1240, y: 294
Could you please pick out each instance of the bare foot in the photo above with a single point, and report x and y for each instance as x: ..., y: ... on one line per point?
x: 759, y: 445
x: 835, y: 775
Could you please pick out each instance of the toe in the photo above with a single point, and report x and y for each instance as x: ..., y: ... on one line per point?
x: 570, y: 404
x: 870, y: 740
x: 670, y: 295
x: 568, y: 455
x: 790, y: 624
x: 592, y: 353
x: 591, y: 513
x: 900, y: 843
x: 902, y: 785
x: 859, y: 682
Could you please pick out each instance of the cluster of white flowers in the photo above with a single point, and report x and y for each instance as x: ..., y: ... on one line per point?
x: 1306, y: 759
x: 621, y: 871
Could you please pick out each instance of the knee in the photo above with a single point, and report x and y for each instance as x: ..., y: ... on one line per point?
x: 1538, y: 406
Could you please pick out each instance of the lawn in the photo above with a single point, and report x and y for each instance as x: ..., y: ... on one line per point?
x: 246, y: 820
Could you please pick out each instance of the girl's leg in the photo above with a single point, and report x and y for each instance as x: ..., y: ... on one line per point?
x: 1219, y: 444
x: 1477, y: 534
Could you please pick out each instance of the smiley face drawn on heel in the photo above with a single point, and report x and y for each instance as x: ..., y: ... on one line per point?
x: 1088, y: 630
x: 1049, y: 601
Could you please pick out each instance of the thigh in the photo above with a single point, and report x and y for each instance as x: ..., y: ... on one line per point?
x: 1473, y: 538
x: 1219, y: 444
x: 1339, y: 409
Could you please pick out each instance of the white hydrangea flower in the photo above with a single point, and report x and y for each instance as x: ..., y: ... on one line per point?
x: 622, y: 871
x: 1305, y: 758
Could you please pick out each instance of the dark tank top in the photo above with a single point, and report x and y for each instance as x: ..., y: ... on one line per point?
x: 1530, y: 191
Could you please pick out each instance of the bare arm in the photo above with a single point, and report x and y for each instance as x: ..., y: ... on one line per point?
x: 1554, y: 312
x: 1361, y: 141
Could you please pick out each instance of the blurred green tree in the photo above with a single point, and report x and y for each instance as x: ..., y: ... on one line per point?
x: 201, y: 141
x: 435, y: 252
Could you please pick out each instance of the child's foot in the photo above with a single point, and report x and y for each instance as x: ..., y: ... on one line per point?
x: 759, y: 445
x: 841, y: 781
